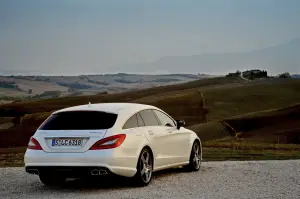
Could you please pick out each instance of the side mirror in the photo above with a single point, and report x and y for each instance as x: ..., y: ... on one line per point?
x: 180, y: 123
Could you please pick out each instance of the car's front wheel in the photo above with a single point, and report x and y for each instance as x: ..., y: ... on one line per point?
x: 195, y: 157
x: 144, y: 168
x: 52, y: 179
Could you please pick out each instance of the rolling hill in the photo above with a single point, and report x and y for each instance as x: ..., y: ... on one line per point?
x: 236, y: 119
x: 295, y: 76
x: 224, y: 98
x: 13, y: 88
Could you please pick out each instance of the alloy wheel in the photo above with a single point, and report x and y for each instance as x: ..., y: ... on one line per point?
x: 196, y: 156
x: 146, y: 166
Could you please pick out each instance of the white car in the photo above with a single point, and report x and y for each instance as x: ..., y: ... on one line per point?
x: 126, y: 139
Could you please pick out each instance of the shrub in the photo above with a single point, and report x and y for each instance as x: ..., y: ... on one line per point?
x: 284, y: 75
x: 74, y: 85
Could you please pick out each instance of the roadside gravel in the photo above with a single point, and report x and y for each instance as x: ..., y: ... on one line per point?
x: 228, y: 179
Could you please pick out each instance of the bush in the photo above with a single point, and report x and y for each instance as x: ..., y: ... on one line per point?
x: 284, y: 75
x: 6, y: 84
x: 124, y: 81
x: 236, y: 74
x: 74, y: 85
x: 48, y: 94
x: 164, y: 80
x: 98, y: 82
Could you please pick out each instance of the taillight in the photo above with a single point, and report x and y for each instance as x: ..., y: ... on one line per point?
x: 34, y: 144
x: 109, y: 142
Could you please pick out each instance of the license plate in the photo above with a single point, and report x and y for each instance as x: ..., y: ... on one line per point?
x: 66, y: 142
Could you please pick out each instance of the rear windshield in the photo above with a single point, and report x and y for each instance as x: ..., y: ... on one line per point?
x: 79, y: 120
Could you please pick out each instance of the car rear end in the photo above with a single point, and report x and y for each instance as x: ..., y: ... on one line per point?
x: 76, y: 143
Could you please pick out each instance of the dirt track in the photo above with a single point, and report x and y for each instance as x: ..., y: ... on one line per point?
x: 264, y: 179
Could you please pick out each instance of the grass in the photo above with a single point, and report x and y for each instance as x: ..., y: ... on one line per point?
x: 34, y: 106
x: 12, y: 157
x: 233, y: 101
x: 236, y: 145
x: 211, y: 130
x: 222, y: 154
x: 229, y: 99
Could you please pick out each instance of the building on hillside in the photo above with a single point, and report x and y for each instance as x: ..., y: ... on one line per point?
x: 253, y: 74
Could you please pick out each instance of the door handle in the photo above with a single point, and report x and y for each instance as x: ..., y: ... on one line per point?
x: 150, y: 132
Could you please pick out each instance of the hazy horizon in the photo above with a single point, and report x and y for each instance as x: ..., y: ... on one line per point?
x: 95, y: 37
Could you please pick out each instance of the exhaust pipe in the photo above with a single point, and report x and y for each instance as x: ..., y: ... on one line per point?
x: 96, y: 172
x: 102, y: 172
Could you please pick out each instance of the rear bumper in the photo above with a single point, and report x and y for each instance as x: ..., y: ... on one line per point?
x: 69, y: 171
x: 113, y: 161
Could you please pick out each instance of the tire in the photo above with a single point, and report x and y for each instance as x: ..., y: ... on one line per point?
x: 195, y: 157
x: 144, y: 168
x: 52, y: 179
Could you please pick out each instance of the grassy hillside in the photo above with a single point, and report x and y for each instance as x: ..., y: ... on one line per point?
x: 248, y: 109
x: 257, y: 96
x: 224, y: 97
x: 34, y: 106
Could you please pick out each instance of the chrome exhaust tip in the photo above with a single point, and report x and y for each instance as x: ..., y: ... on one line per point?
x: 102, y: 172
x: 94, y: 172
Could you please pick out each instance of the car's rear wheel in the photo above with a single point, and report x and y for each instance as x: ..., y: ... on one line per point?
x: 51, y: 179
x: 144, y: 168
x: 195, y: 157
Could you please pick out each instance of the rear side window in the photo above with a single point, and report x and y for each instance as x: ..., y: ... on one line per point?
x: 140, y: 120
x: 134, y: 121
x: 149, y: 118
x: 80, y: 120
x: 131, y: 122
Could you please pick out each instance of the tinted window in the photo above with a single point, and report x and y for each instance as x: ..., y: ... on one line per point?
x: 140, y: 120
x: 131, y: 122
x: 79, y: 120
x: 149, y: 118
x: 164, y: 119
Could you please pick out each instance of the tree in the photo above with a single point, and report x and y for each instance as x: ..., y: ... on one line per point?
x: 284, y: 75
x: 30, y: 91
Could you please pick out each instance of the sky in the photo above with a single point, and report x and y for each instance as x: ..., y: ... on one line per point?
x: 103, y: 36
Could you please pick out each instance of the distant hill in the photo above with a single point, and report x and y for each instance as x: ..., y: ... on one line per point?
x: 14, y: 88
x: 280, y: 58
x: 295, y: 76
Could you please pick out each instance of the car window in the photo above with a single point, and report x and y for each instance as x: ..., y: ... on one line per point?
x: 149, y: 118
x: 79, y: 120
x: 140, y: 120
x: 132, y: 122
x: 164, y: 119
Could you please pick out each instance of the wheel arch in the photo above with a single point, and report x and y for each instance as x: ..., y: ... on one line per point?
x: 152, y: 154
x: 196, y: 139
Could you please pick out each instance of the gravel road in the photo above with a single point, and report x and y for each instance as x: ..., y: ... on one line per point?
x: 253, y: 179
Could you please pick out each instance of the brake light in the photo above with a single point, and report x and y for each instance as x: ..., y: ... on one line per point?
x: 34, y: 144
x: 109, y: 142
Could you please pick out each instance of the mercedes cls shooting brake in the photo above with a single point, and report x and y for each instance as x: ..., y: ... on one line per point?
x: 123, y: 139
